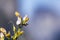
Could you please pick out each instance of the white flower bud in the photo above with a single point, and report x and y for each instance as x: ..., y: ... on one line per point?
x: 18, y: 21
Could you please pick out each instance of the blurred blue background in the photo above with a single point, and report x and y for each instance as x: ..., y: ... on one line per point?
x: 44, y: 15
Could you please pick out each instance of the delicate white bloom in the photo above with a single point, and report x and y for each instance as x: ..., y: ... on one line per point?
x: 3, y: 30
x: 18, y: 21
x: 1, y: 35
x: 25, y: 17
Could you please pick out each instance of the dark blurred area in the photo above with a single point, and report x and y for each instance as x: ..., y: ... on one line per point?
x: 7, y: 10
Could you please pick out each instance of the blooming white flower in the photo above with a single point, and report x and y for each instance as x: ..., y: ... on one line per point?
x: 1, y: 35
x: 18, y: 21
x: 25, y: 17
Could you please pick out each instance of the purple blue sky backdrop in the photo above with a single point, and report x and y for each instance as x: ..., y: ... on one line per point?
x: 42, y: 25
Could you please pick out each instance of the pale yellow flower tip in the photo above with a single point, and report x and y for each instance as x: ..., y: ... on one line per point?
x: 8, y: 35
x: 25, y: 19
x: 3, y: 30
x: 17, y: 13
x: 21, y: 32
x: 14, y: 28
